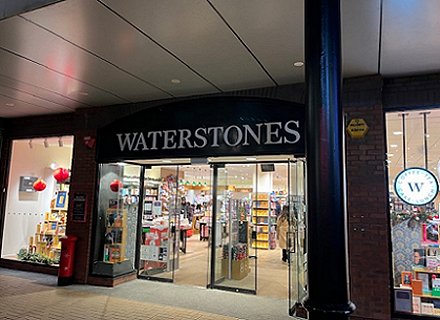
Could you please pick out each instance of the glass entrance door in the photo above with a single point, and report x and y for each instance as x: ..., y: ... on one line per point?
x: 297, y: 239
x: 160, y: 224
x: 234, y: 254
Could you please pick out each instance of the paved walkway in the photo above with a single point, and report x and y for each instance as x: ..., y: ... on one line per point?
x: 33, y: 296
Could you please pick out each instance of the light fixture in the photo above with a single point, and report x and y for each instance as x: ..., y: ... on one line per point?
x: 393, y: 145
x: 60, y: 142
x: 397, y: 133
x: 298, y: 64
x: 175, y: 81
x: 46, y: 143
x: 9, y: 104
x: 166, y: 161
x: 83, y: 93
x: 251, y: 159
x: 30, y: 144
x: 53, y: 165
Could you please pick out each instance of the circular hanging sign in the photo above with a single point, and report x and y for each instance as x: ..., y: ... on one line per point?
x: 416, y: 186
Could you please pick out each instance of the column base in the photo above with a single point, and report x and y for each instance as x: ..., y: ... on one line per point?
x: 329, y: 311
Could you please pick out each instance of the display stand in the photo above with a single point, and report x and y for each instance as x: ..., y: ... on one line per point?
x: 264, y: 222
x: 116, y: 235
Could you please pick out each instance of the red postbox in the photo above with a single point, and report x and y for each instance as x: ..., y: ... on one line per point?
x: 67, y: 259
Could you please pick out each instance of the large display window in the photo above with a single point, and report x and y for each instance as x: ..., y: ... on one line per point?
x: 413, y: 168
x: 117, y: 208
x: 37, y: 199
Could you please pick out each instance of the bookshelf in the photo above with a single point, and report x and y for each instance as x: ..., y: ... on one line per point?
x: 115, y: 236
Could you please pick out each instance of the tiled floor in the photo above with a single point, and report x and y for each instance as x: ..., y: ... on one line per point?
x: 22, y: 298
x: 26, y: 295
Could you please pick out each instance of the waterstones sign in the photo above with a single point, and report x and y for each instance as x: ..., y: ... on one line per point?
x: 206, y: 127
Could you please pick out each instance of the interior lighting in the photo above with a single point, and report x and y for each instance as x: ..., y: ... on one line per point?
x: 393, y: 145
x: 251, y: 159
x: 60, y: 142
x: 53, y: 165
x: 9, y: 104
x: 298, y: 64
x: 175, y: 81
x: 397, y: 133
x: 166, y: 161
x: 46, y: 143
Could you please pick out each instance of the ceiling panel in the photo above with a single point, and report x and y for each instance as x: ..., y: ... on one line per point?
x: 277, y: 39
x: 410, y: 41
x: 118, y: 42
x: 360, y: 37
x: 20, y: 96
x: 193, y: 31
x: 15, y: 67
x: 31, y: 41
x: 41, y: 93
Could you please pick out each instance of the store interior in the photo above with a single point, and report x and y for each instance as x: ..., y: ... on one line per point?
x: 179, y: 200
x: 37, y: 199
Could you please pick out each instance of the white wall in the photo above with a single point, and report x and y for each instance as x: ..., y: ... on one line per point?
x: 25, y: 210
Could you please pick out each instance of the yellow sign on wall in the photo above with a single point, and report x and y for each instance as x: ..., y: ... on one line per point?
x: 357, y: 128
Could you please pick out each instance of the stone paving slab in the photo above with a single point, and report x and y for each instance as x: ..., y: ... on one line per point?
x: 22, y: 298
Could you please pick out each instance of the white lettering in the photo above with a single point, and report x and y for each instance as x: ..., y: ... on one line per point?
x: 292, y: 131
x: 273, y: 133
x: 217, y: 132
x: 185, y: 134
x: 154, y: 134
x: 168, y: 137
x: 141, y: 141
x: 126, y: 140
x: 248, y: 129
x: 239, y: 136
x: 200, y: 137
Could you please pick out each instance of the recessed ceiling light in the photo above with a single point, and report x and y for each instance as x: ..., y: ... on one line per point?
x: 175, y: 81
x: 393, y: 145
x: 166, y: 161
x: 251, y: 159
x: 298, y: 64
x: 9, y: 104
x: 397, y: 133
x: 390, y: 155
x: 83, y: 93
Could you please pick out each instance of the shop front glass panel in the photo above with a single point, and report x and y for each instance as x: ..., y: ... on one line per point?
x: 235, y: 251
x: 160, y: 230
x: 413, y: 141
x: 117, y: 214
x: 37, y: 199
x: 297, y: 239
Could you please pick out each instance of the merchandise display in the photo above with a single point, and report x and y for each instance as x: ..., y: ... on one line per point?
x: 264, y: 218
x: 115, y: 236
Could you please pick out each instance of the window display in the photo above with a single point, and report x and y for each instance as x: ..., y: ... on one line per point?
x: 413, y: 160
x: 37, y: 199
x: 115, y: 235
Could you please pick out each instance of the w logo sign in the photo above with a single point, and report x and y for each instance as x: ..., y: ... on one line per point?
x: 415, y: 186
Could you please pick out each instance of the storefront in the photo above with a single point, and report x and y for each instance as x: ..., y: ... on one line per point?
x: 221, y: 170
x: 413, y: 169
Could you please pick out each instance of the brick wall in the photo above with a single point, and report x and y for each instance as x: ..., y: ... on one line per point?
x: 368, y: 224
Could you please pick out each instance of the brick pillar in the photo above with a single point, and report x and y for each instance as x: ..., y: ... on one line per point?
x: 83, y: 180
x: 368, y: 223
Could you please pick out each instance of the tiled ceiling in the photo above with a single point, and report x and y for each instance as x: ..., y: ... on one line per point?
x: 85, y: 53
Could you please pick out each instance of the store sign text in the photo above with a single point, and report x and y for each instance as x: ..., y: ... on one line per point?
x: 269, y: 133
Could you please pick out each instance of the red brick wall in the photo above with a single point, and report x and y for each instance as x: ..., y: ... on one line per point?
x: 368, y: 223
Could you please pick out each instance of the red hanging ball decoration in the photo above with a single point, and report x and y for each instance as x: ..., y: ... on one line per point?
x: 115, y: 185
x: 61, y: 174
x: 39, y: 185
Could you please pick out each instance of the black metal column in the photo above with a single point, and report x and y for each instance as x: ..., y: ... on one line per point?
x: 328, y: 292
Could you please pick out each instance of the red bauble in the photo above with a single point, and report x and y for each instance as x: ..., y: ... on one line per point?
x: 115, y: 185
x: 39, y: 185
x: 61, y: 174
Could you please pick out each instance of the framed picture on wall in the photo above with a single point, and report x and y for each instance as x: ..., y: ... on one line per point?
x: 430, y: 232
x: 61, y: 200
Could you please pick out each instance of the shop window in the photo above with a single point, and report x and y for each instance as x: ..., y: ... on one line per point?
x: 117, y: 211
x: 413, y: 153
x: 37, y: 199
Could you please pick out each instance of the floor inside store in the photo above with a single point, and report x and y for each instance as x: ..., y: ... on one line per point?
x: 272, y: 272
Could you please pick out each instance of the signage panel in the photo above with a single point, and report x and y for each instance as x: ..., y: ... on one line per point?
x: 416, y: 186
x: 222, y: 126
